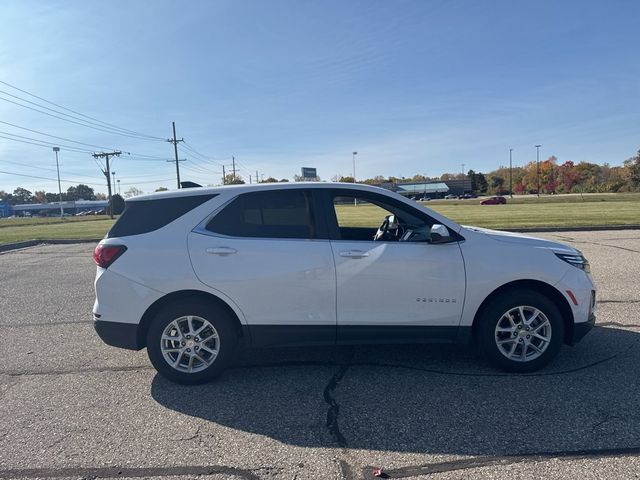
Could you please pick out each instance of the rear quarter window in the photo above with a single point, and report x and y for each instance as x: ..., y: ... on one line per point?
x: 144, y: 216
x: 274, y: 214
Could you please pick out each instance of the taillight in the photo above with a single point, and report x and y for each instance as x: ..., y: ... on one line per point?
x: 105, y: 255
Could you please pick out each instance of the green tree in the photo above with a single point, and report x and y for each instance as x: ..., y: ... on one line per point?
x: 497, y: 184
x: 346, y: 179
x: 231, y: 179
x: 117, y: 204
x: 633, y: 165
x: 21, y: 195
x: 133, y: 192
x: 80, y: 192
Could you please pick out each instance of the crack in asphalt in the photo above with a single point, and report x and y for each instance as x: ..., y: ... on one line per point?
x: 134, y: 472
x: 334, y: 407
x: 489, y: 461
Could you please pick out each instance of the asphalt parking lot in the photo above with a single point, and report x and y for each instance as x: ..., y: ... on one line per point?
x: 72, y: 407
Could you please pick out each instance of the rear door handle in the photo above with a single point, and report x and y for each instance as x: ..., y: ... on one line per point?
x: 222, y: 251
x: 354, y: 254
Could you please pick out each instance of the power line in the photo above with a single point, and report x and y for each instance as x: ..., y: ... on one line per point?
x: 44, y: 168
x: 47, y: 178
x: 48, y: 145
x: 109, y: 125
x: 202, y: 156
x: 73, y: 121
x: 149, y: 181
x: 53, y: 136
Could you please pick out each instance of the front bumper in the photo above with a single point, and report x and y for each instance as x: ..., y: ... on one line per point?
x: 117, y: 334
x: 581, y: 329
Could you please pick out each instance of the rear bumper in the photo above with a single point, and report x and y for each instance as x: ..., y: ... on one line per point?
x: 581, y: 329
x: 116, y: 334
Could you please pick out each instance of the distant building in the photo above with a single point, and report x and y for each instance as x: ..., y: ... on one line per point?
x: 72, y: 207
x: 430, y: 189
x: 459, y: 187
x: 5, y: 209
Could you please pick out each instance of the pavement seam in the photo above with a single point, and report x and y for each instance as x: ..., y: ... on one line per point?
x: 489, y: 461
x: 134, y: 472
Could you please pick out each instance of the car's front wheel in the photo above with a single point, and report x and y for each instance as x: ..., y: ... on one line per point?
x: 520, y: 331
x: 191, y: 342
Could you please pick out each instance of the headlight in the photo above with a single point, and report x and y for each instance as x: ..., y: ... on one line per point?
x: 577, y: 260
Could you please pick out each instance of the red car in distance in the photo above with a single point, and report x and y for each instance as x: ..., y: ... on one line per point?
x: 494, y: 201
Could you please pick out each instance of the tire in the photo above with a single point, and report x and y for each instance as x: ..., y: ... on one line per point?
x: 503, y: 337
x: 195, y: 360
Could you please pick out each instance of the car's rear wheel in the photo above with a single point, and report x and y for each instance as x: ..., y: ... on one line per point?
x: 191, y: 342
x: 520, y: 331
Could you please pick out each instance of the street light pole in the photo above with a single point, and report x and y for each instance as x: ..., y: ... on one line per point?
x: 114, y: 180
x: 354, y: 166
x: 57, y: 149
x: 510, y: 173
x: 538, y: 166
x: 118, y: 186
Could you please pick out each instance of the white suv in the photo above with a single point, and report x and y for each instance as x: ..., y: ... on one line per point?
x: 191, y: 274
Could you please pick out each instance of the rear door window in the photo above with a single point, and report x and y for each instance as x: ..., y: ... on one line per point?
x: 144, y: 216
x: 274, y: 214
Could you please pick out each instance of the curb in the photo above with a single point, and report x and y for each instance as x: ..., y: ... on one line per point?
x: 53, y: 241
x: 593, y: 228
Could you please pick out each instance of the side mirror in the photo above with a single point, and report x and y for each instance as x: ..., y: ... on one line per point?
x: 439, y: 234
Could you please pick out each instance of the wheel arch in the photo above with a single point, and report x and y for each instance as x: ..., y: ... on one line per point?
x: 156, y: 306
x: 543, y: 288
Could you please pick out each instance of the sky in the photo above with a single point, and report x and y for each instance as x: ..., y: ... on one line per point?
x: 414, y: 87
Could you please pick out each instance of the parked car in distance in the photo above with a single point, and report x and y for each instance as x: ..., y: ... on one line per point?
x: 195, y: 273
x: 494, y: 201
x: 450, y: 197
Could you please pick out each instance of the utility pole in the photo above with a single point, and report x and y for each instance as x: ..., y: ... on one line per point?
x: 233, y: 161
x: 538, y: 166
x: 353, y: 157
x: 224, y: 176
x: 510, y: 173
x: 57, y: 149
x: 462, y: 164
x: 175, y: 142
x: 249, y: 179
x: 257, y: 177
x: 107, y: 173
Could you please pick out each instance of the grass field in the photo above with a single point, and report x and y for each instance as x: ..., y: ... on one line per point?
x: 521, y: 212
x: 94, y: 228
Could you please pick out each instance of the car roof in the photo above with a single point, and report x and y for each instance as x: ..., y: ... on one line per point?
x: 184, y: 192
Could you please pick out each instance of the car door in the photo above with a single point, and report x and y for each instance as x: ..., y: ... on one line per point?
x: 393, y: 289
x: 263, y: 251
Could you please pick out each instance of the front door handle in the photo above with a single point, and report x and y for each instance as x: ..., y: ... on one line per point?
x: 222, y: 251
x: 354, y: 254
